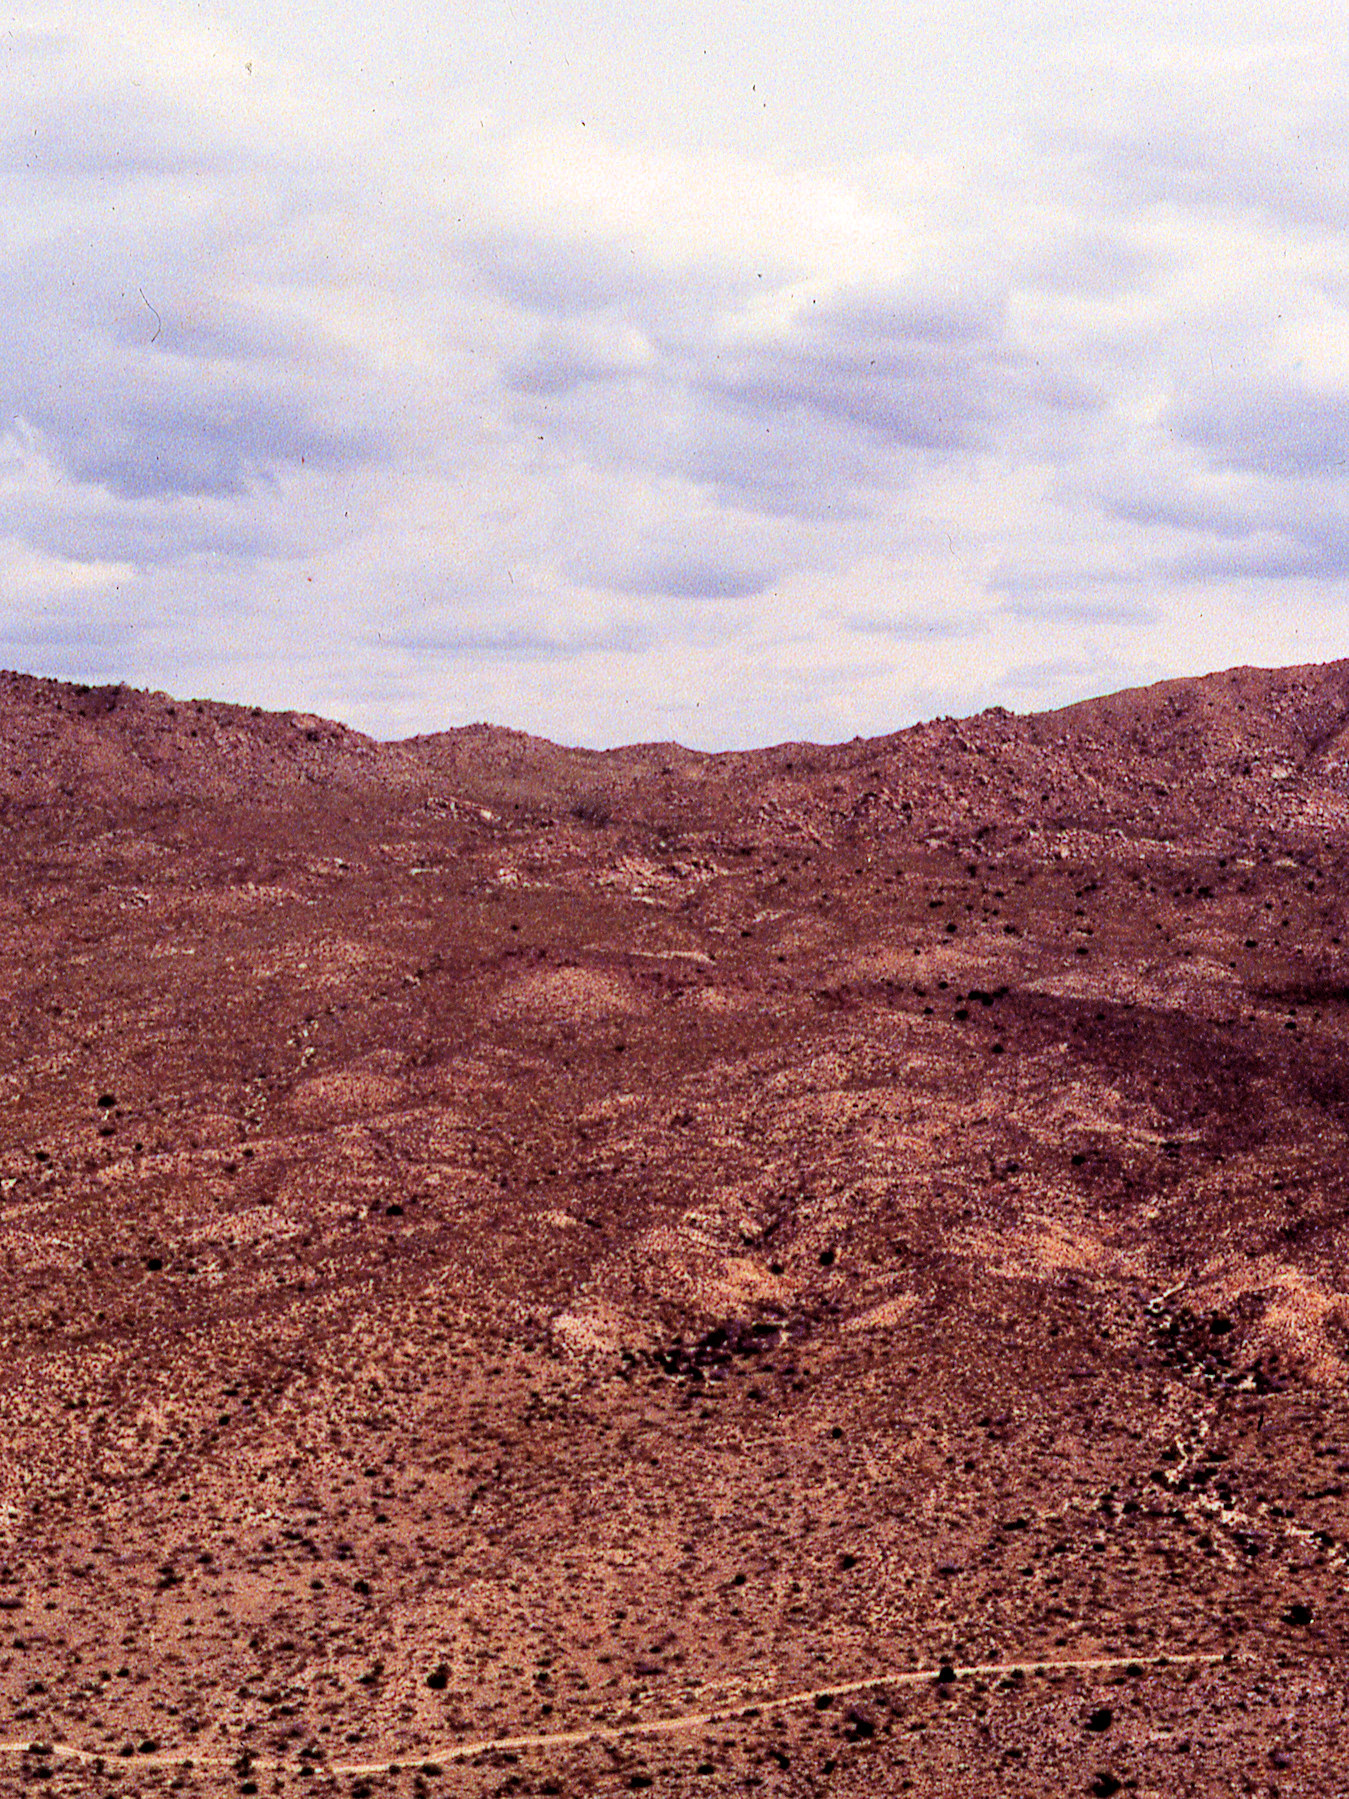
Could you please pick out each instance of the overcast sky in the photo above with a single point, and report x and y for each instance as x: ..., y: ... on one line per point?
x: 709, y: 369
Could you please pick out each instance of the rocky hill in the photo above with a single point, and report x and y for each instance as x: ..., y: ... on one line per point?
x: 815, y: 1270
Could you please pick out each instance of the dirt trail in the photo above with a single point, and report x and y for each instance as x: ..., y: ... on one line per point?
x: 647, y: 1727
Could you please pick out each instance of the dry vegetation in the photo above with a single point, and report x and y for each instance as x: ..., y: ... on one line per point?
x: 663, y: 1252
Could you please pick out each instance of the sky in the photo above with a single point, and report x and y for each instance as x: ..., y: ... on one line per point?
x: 708, y: 370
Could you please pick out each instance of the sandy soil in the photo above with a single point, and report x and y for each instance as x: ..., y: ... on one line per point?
x: 812, y: 1271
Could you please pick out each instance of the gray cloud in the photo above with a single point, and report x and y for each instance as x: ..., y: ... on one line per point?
x: 1286, y: 432
x: 25, y: 42
x: 1100, y: 262
x: 1246, y: 484
x: 1056, y: 673
x: 705, y: 580
x: 553, y: 276
x: 908, y: 628
x: 98, y: 525
x: 518, y: 643
x: 214, y: 442
x: 1214, y: 163
x: 826, y: 416
x: 1261, y: 559
x: 822, y: 419
x: 918, y: 376
x: 121, y: 133
x: 68, y: 635
x: 559, y: 360
x: 1074, y: 607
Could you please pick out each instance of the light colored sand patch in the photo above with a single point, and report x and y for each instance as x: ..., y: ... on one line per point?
x: 635, y: 873
x: 511, y: 875
x: 724, y: 1286
x: 1170, y: 986
x: 329, y: 962
x: 327, y: 1097
x: 701, y: 1224
x: 885, y: 1316
x: 801, y: 934
x: 389, y: 1063
x: 335, y: 957
x: 749, y: 1704
x: 804, y: 1085
x: 717, y: 999
x: 688, y: 1264
x: 1297, y: 1321
x: 877, y: 965
x: 573, y: 995
x: 211, y: 1132
x: 256, y: 1224
x: 591, y: 1329
x: 1303, y: 1321
x: 35, y: 1250
x: 655, y: 882
x: 1040, y: 1248
x: 963, y: 967
x: 742, y: 1279
x: 1074, y: 1107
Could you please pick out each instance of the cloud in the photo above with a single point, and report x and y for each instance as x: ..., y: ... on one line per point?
x: 1067, y: 606
x: 30, y: 575
x: 906, y: 628
x: 516, y: 644
x: 1286, y: 432
x: 911, y: 376
x: 119, y: 132
x: 1100, y: 263
x: 764, y: 407
x: 200, y: 435
x: 558, y: 360
x: 705, y: 580
x: 553, y: 277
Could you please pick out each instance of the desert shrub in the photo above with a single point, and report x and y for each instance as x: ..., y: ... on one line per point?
x: 592, y: 809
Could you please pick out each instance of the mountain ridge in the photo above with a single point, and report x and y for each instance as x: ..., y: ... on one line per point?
x: 1230, y: 734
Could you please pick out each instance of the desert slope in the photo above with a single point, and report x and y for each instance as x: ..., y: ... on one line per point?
x: 596, y: 1249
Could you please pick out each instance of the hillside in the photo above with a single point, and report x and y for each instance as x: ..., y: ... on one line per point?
x: 532, y: 1270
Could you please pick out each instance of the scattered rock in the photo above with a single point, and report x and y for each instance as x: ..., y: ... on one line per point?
x: 782, y: 986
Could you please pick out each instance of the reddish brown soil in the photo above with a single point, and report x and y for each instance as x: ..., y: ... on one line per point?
x: 502, y: 1242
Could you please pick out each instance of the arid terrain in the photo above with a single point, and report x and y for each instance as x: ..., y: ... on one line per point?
x: 812, y: 1271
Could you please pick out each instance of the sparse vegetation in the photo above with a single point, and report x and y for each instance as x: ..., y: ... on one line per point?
x: 475, y: 1280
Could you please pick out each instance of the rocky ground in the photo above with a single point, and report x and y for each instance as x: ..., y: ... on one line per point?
x: 820, y: 1270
